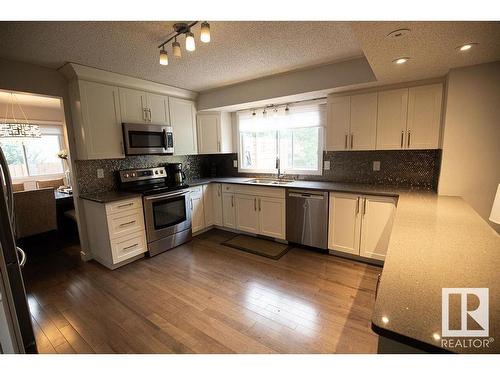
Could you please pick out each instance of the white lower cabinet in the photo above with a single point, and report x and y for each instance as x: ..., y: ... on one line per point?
x: 360, y: 225
x: 197, y: 209
x: 272, y: 217
x: 216, y: 196
x: 116, y: 231
x: 247, y: 215
x: 228, y: 211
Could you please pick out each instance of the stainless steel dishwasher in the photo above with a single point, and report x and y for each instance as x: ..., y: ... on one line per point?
x: 307, y: 217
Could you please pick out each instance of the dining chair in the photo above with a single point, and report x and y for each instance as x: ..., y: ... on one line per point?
x: 18, y: 187
x: 34, y: 212
x: 40, y: 184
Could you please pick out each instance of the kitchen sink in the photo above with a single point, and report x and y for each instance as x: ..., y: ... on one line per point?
x: 269, y: 181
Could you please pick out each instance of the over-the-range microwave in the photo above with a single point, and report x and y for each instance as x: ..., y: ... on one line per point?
x: 147, y: 139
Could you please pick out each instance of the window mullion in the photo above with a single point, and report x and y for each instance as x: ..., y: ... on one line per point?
x: 26, y: 160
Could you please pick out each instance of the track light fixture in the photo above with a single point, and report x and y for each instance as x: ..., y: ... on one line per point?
x: 183, y: 28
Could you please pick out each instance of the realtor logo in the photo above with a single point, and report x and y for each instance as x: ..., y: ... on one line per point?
x: 464, y: 312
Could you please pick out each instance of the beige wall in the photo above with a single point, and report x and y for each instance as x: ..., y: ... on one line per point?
x: 471, y: 144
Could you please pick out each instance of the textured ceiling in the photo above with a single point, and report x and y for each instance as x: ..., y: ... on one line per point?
x: 430, y: 45
x: 238, y: 51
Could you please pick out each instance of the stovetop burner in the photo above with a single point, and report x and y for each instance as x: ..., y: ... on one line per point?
x: 148, y: 181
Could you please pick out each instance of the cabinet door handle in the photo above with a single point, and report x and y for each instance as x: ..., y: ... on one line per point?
x: 378, y: 283
x: 232, y: 200
x: 409, y: 138
x: 260, y: 207
x: 149, y: 111
x: 357, y: 205
x: 125, y: 205
x: 144, y: 115
x: 364, y: 206
x: 345, y: 141
x: 352, y: 140
x: 255, y: 204
x: 131, y: 246
x: 402, y: 136
x: 127, y: 223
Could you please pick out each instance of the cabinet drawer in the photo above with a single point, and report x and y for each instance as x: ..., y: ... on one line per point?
x: 125, y: 223
x: 124, y: 205
x: 128, y: 246
x: 196, y: 191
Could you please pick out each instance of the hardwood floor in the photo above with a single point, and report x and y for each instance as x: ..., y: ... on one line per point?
x: 203, y: 297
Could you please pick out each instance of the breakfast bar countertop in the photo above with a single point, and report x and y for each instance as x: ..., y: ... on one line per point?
x: 109, y: 196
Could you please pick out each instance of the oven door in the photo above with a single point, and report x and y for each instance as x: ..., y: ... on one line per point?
x: 147, y: 139
x: 166, y: 214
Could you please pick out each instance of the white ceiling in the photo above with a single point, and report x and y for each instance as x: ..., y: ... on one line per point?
x: 431, y: 47
x: 241, y: 51
x: 238, y: 51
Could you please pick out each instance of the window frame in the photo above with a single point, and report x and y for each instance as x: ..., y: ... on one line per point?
x: 316, y: 172
x: 62, y: 142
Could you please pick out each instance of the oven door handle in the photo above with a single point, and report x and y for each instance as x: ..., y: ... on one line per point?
x: 157, y: 197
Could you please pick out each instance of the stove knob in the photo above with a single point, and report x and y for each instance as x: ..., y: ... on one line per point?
x: 156, y: 172
x: 161, y: 171
x: 133, y: 174
x: 126, y: 175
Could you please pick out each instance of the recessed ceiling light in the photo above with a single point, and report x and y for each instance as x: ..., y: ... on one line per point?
x: 400, y: 60
x: 466, y: 47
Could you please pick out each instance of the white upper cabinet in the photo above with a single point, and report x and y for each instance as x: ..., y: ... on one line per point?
x: 391, y: 119
x: 182, y: 118
x: 98, y: 121
x: 139, y: 106
x: 133, y: 105
x: 363, y: 129
x: 424, y: 116
x: 214, y: 133
x: 338, y: 123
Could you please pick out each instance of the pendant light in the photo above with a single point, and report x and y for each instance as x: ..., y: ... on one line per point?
x: 18, y: 130
x: 176, y: 48
x: 205, y: 32
x: 190, y: 45
x: 163, y: 57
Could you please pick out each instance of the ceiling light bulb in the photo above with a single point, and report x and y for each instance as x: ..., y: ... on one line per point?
x: 190, y: 46
x: 401, y: 60
x: 205, y: 32
x: 163, y: 57
x: 176, y: 48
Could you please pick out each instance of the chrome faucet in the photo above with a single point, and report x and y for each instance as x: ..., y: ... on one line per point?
x: 278, y: 166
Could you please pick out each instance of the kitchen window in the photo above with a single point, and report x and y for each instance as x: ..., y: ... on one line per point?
x: 295, y: 136
x: 35, y: 157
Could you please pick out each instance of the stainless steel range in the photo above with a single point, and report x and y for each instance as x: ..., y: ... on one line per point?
x: 167, y: 210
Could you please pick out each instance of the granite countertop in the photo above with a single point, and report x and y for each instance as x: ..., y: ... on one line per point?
x: 109, y: 196
x: 312, y: 185
x: 436, y: 242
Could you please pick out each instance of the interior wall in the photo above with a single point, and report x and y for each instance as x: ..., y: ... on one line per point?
x: 29, y: 78
x: 471, y: 144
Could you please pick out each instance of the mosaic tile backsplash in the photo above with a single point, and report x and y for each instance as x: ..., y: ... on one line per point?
x: 401, y: 168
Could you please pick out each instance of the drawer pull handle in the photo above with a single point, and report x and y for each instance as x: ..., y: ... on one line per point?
x: 127, y: 223
x: 126, y: 205
x: 131, y: 246
x: 378, y: 283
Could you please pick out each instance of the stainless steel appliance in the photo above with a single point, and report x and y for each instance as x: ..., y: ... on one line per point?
x: 148, y: 139
x: 175, y: 173
x: 307, y: 217
x: 16, y: 331
x: 167, y: 207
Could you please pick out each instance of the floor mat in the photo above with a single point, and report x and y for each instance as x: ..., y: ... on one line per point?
x: 258, y: 246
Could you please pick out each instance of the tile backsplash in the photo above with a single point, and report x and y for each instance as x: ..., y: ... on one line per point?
x: 401, y: 168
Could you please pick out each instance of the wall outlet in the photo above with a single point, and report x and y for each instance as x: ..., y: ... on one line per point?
x: 326, y: 165
x: 235, y: 163
x: 376, y: 166
x: 100, y: 173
